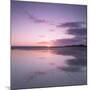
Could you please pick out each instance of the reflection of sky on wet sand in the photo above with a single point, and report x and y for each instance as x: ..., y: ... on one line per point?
x: 48, y: 67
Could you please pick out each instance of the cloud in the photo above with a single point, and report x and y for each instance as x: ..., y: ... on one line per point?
x: 72, y: 41
x: 71, y: 24
x: 80, y: 31
x: 77, y: 29
x: 35, y: 19
x: 39, y: 20
x: 74, y: 28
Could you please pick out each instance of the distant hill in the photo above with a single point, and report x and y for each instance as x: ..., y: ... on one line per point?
x: 27, y: 47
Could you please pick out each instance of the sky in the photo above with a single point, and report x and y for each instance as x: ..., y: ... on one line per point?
x: 47, y: 24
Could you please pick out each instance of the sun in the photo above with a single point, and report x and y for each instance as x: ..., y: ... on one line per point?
x: 48, y: 45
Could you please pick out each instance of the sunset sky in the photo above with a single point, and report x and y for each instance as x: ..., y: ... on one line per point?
x: 46, y: 24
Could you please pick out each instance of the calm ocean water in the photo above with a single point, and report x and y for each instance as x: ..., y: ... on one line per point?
x: 35, y: 68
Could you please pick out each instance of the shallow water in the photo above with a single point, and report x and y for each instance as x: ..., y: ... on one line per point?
x: 33, y: 68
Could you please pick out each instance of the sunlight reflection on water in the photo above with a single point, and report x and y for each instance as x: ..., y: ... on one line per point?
x: 48, y: 67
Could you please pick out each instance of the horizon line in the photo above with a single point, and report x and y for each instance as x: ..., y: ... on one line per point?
x: 50, y: 46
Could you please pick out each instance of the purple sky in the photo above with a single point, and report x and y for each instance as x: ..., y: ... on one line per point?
x: 47, y: 24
